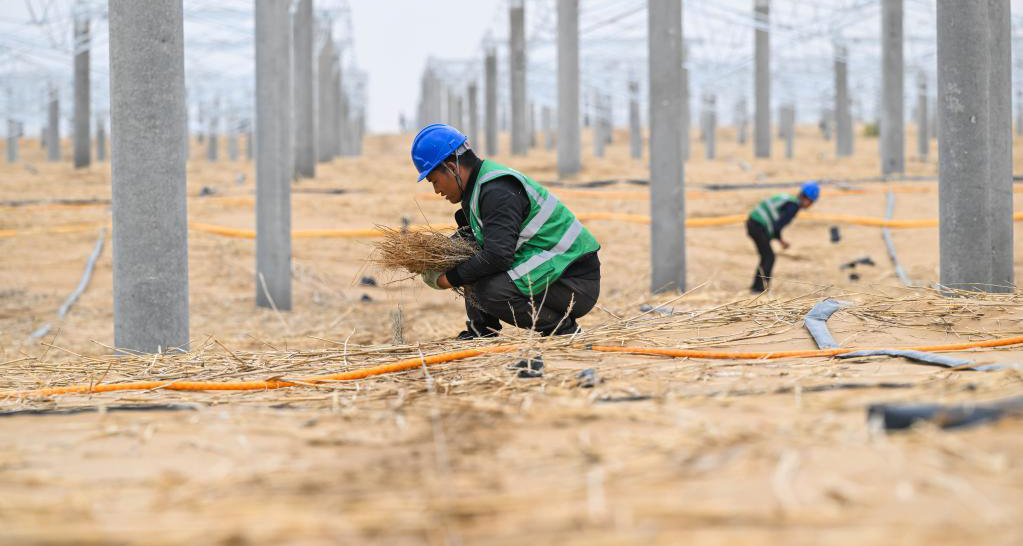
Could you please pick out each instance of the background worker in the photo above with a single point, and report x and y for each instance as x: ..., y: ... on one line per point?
x: 535, y: 260
x: 767, y: 220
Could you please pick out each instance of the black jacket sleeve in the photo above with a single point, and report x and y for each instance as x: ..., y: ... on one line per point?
x: 503, y: 206
x: 785, y: 215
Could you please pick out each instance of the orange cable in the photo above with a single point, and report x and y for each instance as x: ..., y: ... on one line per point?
x: 269, y: 384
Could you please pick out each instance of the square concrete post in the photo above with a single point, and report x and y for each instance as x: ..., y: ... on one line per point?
x: 762, y: 79
x: 741, y: 121
x: 974, y: 151
x: 532, y: 125
x: 53, y: 127
x: 843, y: 114
x: 635, y: 127
x: 82, y: 114
x: 923, y: 143
x: 213, y: 141
x: 474, y: 116
x: 547, y: 120
x: 686, y: 115
x: 101, y: 140
x: 324, y: 98
x: 569, y: 143
x: 788, y: 123
x: 304, y: 82
x: 517, y: 71
x: 599, y: 138
x: 667, y: 187
x: 274, y: 154
x: 708, y: 123
x: 892, y: 121
x: 232, y: 137
x: 150, y: 224
x: 490, y: 102
x: 12, y: 141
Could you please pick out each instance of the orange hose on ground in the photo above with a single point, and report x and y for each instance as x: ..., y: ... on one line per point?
x: 726, y: 355
x: 399, y: 366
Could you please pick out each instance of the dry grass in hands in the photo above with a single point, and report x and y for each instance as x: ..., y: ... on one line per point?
x: 420, y: 251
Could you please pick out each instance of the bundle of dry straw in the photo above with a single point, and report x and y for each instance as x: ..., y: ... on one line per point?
x: 421, y: 250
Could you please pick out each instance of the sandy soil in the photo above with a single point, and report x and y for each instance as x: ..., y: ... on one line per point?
x: 663, y: 451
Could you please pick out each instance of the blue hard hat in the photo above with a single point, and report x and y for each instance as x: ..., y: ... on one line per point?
x: 811, y: 189
x: 434, y: 144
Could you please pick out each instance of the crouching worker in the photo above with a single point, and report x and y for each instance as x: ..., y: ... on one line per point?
x: 767, y: 220
x: 537, y: 266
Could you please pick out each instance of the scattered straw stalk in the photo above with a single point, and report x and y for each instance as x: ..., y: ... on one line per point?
x: 421, y: 251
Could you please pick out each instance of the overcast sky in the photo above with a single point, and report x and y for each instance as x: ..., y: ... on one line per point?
x: 393, y: 39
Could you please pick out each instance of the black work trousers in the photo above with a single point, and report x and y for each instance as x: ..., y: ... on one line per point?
x: 496, y: 299
x: 762, y: 240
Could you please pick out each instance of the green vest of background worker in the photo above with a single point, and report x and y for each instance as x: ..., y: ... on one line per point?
x: 767, y: 220
x: 537, y: 266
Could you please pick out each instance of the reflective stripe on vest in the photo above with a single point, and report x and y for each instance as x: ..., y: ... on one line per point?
x: 767, y: 211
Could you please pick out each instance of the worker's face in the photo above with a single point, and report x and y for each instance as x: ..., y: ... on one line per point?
x: 445, y: 184
x: 804, y: 202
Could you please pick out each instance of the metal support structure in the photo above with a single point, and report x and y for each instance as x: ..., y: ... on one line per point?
x: 150, y: 220
x: 974, y: 151
x: 893, y: 160
x: 305, y: 117
x: 667, y: 186
x: 762, y: 79
x: 517, y: 71
x: 82, y: 154
x: 274, y: 159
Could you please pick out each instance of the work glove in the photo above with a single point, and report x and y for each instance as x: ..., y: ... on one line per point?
x: 430, y: 278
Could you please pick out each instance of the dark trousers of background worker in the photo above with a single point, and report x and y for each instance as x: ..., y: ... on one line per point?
x: 497, y: 299
x: 762, y: 239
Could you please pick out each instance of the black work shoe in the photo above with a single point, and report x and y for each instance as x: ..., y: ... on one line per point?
x: 473, y: 332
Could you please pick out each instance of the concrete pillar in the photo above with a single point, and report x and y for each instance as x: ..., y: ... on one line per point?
x: 324, y: 87
x: 547, y: 120
x: 532, y: 125
x: 687, y: 119
x: 82, y: 114
x: 843, y: 114
x: 12, y: 140
x: 250, y: 144
x: 517, y: 58
x: 1000, y: 195
x: 762, y: 79
x: 569, y: 155
x: 974, y: 151
x: 599, y: 127
x: 827, y: 123
x: 892, y: 123
x: 232, y: 138
x: 708, y: 124
x: 490, y: 102
x: 474, y: 116
x: 741, y: 121
x: 1019, y: 113
x: 923, y: 143
x: 274, y: 157
x: 150, y: 224
x: 337, y: 108
x: 787, y: 120
x: 101, y: 140
x: 667, y: 187
x: 53, y: 127
x: 635, y: 127
x: 305, y: 118
x: 213, y: 142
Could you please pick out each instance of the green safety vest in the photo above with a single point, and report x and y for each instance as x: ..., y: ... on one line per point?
x: 550, y: 239
x: 766, y: 213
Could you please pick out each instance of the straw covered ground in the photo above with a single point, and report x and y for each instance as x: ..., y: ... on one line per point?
x: 641, y: 449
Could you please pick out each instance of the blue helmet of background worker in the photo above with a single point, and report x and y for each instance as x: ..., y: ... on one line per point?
x: 434, y: 144
x: 809, y: 192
